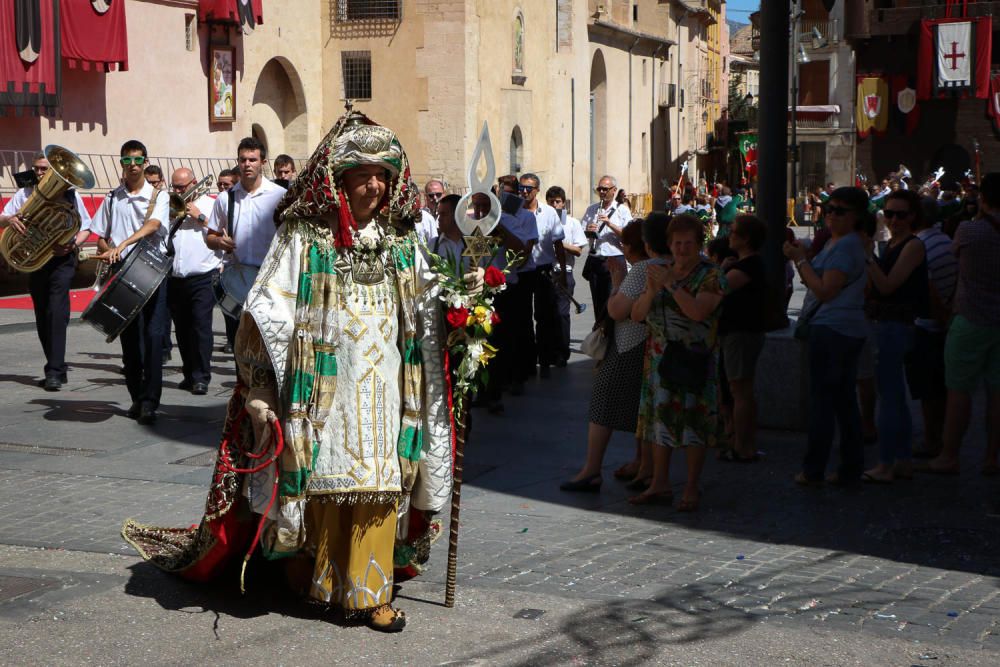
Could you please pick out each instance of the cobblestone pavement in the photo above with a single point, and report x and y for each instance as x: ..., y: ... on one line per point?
x: 913, y: 564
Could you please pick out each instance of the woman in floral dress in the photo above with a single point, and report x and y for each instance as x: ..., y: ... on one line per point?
x: 679, y: 404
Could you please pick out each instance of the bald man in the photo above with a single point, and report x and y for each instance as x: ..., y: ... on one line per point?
x: 190, y: 295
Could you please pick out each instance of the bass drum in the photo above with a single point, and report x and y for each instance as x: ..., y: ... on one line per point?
x: 232, y: 287
x: 127, y: 291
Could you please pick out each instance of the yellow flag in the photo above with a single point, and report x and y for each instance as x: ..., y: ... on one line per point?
x: 873, y: 105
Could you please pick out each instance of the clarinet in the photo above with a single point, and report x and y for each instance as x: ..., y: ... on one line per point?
x: 593, y: 235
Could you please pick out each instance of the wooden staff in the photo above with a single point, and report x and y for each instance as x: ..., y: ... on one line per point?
x: 456, y: 505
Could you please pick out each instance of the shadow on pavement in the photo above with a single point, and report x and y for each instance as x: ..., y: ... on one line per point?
x: 944, y: 522
x: 84, y: 412
x: 26, y: 380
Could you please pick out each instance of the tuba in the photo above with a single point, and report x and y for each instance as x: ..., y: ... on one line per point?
x: 49, y: 219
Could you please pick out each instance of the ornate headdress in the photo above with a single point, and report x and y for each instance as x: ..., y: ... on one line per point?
x: 354, y: 141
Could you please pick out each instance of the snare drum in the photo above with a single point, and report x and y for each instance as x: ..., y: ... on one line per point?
x: 127, y: 291
x: 232, y: 287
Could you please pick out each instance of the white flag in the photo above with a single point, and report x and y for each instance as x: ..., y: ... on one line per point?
x: 954, y: 55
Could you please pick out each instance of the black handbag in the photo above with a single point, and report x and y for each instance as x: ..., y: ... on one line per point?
x: 593, y: 267
x: 684, y: 367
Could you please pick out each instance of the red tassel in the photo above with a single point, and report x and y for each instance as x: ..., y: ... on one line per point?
x: 346, y: 224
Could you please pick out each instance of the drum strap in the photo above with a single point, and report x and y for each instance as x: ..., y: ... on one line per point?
x: 230, y: 211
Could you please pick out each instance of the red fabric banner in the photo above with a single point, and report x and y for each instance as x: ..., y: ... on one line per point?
x: 36, y: 84
x: 993, y: 103
x: 238, y: 12
x: 982, y: 30
x: 91, y: 38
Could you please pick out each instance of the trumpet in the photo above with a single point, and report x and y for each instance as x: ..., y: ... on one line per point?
x: 100, y: 273
x: 178, y: 203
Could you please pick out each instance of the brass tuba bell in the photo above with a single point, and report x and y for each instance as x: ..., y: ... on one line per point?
x: 49, y: 219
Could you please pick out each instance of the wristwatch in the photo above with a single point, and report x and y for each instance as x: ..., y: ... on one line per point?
x: 201, y: 217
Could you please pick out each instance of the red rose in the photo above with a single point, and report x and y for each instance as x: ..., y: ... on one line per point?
x: 495, y: 319
x: 457, y: 317
x: 494, y: 277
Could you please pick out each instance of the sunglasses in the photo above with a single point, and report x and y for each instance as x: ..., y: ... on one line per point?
x: 137, y: 160
x: 838, y: 210
x: 181, y: 187
x: 890, y: 214
x: 526, y: 188
x: 601, y: 189
x: 435, y: 195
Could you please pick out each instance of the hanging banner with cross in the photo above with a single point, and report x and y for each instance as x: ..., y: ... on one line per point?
x: 954, y: 58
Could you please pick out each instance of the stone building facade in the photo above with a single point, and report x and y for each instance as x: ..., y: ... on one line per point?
x: 571, y: 89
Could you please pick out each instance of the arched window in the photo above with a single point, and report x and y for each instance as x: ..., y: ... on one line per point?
x: 518, y: 43
x: 516, y: 150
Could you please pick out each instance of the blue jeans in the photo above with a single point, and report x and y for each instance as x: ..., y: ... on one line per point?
x: 895, y: 428
x: 833, y: 401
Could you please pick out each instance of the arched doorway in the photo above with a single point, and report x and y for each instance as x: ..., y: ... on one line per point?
x: 258, y: 133
x: 279, y: 109
x: 516, y: 150
x: 598, y: 118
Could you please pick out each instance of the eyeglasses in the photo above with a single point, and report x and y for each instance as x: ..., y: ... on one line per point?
x: 137, y: 160
x: 837, y: 210
x: 601, y: 189
x: 890, y: 214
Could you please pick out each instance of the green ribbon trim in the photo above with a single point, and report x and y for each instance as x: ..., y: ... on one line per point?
x: 411, y: 443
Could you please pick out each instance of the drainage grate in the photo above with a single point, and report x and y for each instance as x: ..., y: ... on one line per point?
x: 198, y: 460
x: 48, y: 451
x: 15, y: 587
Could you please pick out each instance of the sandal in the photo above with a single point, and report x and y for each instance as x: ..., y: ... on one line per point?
x: 590, y: 484
x: 639, y: 483
x: 645, y: 498
x: 732, y: 456
x: 869, y: 478
x: 627, y: 471
x: 387, y: 619
x: 802, y: 480
x: 689, y: 504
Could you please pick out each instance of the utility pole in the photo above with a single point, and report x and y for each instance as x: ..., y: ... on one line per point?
x: 772, y: 153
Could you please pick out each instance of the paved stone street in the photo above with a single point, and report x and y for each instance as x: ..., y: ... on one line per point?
x: 765, y: 573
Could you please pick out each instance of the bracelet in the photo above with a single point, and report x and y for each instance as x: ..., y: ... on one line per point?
x: 798, y: 264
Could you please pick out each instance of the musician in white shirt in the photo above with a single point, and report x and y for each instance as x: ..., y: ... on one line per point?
x: 603, y: 223
x: 449, y: 243
x: 573, y: 244
x: 247, y: 238
x: 190, y: 296
x: 49, y: 285
x: 133, y: 212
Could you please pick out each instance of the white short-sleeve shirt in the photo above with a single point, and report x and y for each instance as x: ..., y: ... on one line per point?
x: 192, y: 256
x: 550, y: 231
x: 253, y: 220
x: 18, y: 200
x: 608, y: 243
x: 123, y: 213
x: 575, y: 236
x: 427, y: 228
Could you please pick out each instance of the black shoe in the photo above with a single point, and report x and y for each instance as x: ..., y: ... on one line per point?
x: 147, y: 415
x: 227, y: 349
x: 185, y: 384
x: 561, y: 363
x: 545, y: 372
x: 590, y: 484
x: 52, y: 383
x: 166, y: 357
x: 199, y: 388
x: 133, y: 411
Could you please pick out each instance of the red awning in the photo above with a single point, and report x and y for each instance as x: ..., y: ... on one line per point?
x: 245, y: 13
x: 29, y: 73
x: 94, y: 34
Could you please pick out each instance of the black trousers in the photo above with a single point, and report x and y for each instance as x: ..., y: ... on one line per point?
x: 548, y: 330
x: 600, y: 287
x: 500, y: 366
x: 49, y: 287
x: 191, y: 301
x: 522, y: 328
x: 142, y: 351
x: 232, y: 324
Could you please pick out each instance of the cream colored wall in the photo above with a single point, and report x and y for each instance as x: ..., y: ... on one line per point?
x: 162, y: 99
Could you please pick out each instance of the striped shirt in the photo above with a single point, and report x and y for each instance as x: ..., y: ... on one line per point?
x: 942, y: 269
x: 977, y: 245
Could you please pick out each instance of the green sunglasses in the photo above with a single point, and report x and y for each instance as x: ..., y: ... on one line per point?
x: 137, y: 160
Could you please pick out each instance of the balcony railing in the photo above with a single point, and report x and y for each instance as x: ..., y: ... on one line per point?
x: 828, y: 28
x: 668, y: 94
x: 899, y: 20
x: 816, y: 117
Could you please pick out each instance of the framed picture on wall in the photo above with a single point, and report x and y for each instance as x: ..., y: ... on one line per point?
x: 222, y: 84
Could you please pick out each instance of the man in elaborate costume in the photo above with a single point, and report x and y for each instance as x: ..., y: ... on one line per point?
x: 340, y: 353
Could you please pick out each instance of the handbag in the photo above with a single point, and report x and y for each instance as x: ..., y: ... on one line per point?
x: 685, y: 367
x: 595, y: 345
x: 594, y: 266
x: 802, y: 325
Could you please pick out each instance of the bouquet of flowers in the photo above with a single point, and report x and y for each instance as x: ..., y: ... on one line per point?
x: 470, y: 318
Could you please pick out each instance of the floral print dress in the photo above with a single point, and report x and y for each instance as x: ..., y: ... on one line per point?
x: 670, y: 416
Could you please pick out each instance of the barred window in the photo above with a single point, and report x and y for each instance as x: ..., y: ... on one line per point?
x: 357, y: 69
x: 361, y: 10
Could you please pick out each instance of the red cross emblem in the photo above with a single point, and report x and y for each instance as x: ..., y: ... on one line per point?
x: 954, y: 56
